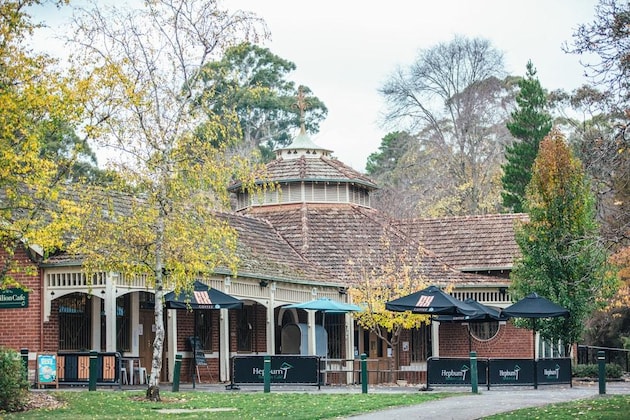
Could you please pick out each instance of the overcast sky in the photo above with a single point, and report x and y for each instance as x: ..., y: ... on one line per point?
x: 345, y: 49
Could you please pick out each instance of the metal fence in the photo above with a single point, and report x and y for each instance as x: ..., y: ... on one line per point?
x: 380, y: 371
x: 73, y: 368
x: 588, y: 355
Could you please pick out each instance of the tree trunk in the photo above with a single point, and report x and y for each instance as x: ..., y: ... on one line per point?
x: 153, y: 392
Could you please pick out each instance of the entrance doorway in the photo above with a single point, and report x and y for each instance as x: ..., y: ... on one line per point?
x: 146, y: 336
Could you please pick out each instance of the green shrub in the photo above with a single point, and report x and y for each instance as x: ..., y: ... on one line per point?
x: 613, y: 371
x: 13, y: 381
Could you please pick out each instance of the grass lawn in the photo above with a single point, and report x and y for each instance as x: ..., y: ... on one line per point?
x: 605, y: 407
x: 258, y: 405
x: 214, y: 405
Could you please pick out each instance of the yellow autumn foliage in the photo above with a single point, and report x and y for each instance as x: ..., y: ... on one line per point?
x: 34, y: 211
x: 394, y: 274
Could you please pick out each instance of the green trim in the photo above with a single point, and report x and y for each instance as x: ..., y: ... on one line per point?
x: 63, y: 264
x: 279, y: 279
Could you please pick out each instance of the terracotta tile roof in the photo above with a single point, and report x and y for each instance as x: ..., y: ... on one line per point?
x: 315, y: 169
x: 264, y: 253
x: 346, y: 239
x: 469, y: 243
x: 333, y: 243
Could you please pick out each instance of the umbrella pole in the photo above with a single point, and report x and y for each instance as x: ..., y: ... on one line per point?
x: 534, y: 348
x: 534, y: 338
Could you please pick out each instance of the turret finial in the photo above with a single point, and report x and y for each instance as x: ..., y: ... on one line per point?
x: 301, y: 104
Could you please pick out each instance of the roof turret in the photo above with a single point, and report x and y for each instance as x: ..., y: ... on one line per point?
x: 302, y: 144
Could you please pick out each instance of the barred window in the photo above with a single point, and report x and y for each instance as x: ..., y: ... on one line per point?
x: 334, y: 325
x: 204, y: 328
x: 75, y: 322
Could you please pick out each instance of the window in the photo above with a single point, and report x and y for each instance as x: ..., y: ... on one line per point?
x: 204, y: 328
x: 334, y: 325
x: 484, y: 330
x: 75, y: 322
x: 147, y: 300
x: 549, y: 349
x: 123, y: 323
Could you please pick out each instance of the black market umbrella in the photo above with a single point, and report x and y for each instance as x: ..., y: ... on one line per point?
x: 200, y: 297
x: 483, y: 314
x: 432, y: 301
x: 534, y: 306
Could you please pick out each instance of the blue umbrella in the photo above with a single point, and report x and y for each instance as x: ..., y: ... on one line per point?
x: 325, y: 305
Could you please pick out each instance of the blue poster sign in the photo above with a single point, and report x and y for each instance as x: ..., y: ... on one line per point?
x: 46, y: 369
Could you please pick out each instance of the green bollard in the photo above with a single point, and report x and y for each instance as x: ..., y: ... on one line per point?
x: 364, y: 374
x: 176, y: 371
x: 267, y: 373
x: 24, y: 354
x: 474, y: 379
x: 601, y: 361
x: 93, y: 370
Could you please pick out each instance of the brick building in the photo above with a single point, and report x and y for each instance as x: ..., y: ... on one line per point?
x: 311, y: 237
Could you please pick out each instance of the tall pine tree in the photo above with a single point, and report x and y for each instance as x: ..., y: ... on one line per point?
x: 562, y: 257
x: 529, y: 124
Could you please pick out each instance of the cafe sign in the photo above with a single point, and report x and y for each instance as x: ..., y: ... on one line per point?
x: 13, y: 298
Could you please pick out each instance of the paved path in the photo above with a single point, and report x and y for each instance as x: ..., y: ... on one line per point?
x: 496, y: 400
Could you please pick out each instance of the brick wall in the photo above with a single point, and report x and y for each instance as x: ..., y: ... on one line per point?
x: 51, y: 328
x: 510, y: 342
x: 259, y: 339
x: 185, y: 327
x: 20, y: 327
x: 404, y: 357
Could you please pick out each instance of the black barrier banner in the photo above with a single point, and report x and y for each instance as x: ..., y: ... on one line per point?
x: 455, y: 371
x: 284, y: 369
x: 554, y: 371
x: 511, y: 371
